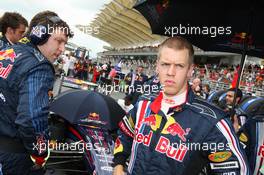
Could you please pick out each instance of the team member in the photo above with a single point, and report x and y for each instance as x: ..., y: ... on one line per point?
x: 13, y: 26
x: 26, y: 77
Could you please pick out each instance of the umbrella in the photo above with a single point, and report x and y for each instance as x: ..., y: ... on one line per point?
x: 228, y: 26
x: 88, y: 107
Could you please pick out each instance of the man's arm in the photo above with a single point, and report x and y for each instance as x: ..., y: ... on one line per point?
x: 225, y: 154
x: 124, y: 141
x: 32, y: 111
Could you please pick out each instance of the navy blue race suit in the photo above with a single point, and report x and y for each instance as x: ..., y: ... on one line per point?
x: 26, y: 76
x: 251, y: 135
x: 4, y: 43
x: 191, y: 136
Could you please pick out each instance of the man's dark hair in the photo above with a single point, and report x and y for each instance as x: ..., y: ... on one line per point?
x: 13, y: 20
x: 239, y: 92
x: 42, y: 18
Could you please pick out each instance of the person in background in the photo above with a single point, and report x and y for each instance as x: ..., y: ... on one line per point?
x: 65, y: 63
x: 128, y: 77
x: 196, y: 87
x: 238, y: 120
x: 136, y: 87
x: 71, y: 65
x: 206, y: 91
x: 13, y: 26
x: 252, y: 138
x: 112, y: 74
x: 96, y: 73
x: 230, y: 95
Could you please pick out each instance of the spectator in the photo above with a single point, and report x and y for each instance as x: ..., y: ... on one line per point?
x: 206, y: 91
x: 137, y: 80
x: 65, y: 63
x: 238, y: 120
x: 71, y: 65
x: 196, y: 87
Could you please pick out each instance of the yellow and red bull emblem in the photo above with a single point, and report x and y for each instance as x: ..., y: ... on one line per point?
x: 174, y: 128
x: 8, y: 54
x: 153, y: 121
x: 240, y: 38
x: 94, y: 116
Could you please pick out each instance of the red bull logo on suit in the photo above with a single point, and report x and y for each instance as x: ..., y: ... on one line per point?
x: 8, y: 54
x: 174, y: 128
x: 164, y: 145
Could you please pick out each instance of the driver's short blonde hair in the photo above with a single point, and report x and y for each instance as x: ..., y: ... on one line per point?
x: 177, y: 43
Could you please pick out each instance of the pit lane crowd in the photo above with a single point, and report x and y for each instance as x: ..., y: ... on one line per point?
x: 131, y: 73
x: 85, y: 69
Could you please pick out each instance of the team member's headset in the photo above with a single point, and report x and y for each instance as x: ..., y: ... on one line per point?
x: 39, y: 34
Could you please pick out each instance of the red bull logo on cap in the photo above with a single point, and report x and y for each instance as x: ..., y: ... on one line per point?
x: 94, y: 116
x: 8, y: 54
x: 239, y: 38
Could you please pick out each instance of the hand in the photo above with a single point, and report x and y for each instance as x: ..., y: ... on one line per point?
x: 39, y: 161
x: 118, y: 170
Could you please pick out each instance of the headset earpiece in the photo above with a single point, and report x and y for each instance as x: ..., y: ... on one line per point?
x: 40, y: 33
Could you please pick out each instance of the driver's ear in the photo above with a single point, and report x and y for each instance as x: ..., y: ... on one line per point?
x: 190, y: 71
x: 9, y: 30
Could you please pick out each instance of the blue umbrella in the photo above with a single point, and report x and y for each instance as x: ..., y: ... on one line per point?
x: 88, y: 107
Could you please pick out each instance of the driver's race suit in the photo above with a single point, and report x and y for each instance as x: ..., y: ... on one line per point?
x: 188, y: 138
